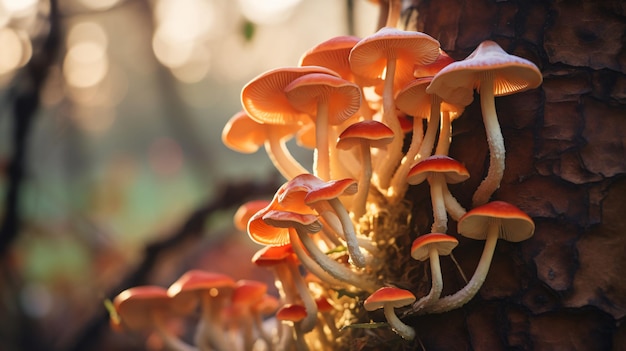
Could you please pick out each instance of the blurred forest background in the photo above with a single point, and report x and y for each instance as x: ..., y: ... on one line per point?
x: 113, y: 173
x: 112, y: 168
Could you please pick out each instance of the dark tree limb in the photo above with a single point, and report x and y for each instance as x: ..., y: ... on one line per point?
x: 233, y: 194
x: 25, y: 94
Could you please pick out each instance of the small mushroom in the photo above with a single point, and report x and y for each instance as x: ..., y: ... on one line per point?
x: 431, y: 246
x: 439, y: 170
x: 365, y: 134
x: 490, y: 222
x: 389, y: 298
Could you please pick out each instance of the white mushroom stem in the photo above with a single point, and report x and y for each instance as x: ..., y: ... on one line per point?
x: 308, y: 323
x: 462, y: 296
x: 445, y: 132
x: 299, y: 336
x: 311, y: 265
x: 209, y: 331
x: 454, y: 208
x: 360, y: 199
x: 173, y: 342
x: 334, y: 268
x: 440, y: 216
x: 348, y: 230
x: 436, y: 280
x: 389, y: 117
x: 398, y: 186
x: 495, y: 140
x: 282, y: 159
x: 322, y: 147
x: 332, y: 225
x: 405, y: 331
x: 415, y: 154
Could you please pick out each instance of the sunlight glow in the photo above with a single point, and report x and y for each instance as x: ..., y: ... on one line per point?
x: 16, y: 49
x: 267, y: 11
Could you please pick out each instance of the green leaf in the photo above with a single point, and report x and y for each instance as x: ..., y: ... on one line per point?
x: 337, y: 249
x: 248, y: 28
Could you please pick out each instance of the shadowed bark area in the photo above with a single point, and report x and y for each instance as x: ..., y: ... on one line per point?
x: 564, y: 289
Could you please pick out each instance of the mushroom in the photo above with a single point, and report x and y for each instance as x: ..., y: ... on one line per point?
x: 263, y: 98
x: 490, y: 222
x: 365, y: 134
x: 314, y: 192
x: 299, y: 226
x: 328, y: 100
x: 389, y: 298
x: 146, y: 307
x: 279, y: 260
x: 439, y: 170
x: 494, y: 73
x: 431, y: 246
x: 246, y: 295
x: 294, y: 314
x: 391, y: 53
x: 210, y: 289
x: 243, y: 134
x: 247, y: 210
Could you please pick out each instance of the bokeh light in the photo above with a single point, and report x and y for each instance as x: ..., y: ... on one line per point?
x: 16, y: 49
x: 267, y: 11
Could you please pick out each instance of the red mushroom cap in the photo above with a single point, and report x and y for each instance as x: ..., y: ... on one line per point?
x: 514, y: 224
x: 388, y: 295
x: 453, y: 170
x: 443, y: 242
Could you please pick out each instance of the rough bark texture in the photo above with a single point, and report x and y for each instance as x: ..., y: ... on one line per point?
x: 565, y: 288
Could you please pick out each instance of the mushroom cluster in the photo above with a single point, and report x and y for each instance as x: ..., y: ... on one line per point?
x: 378, y: 114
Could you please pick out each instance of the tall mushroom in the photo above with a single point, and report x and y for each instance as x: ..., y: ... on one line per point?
x: 391, y: 53
x: 328, y: 100
x: 490, y: 222
x: 493, y: 72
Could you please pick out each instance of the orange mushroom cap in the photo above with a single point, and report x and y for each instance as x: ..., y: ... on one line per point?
x: 511, y: 73
x: 453, y: 170
x: 243, y: 134
x: 247, y: 210
x: 291, y: 312
x: 514, y: 224
x: 395, y: 297
x: 443, y: 242
x: 343, y: 97
x: 376, y: 133
x: 136, y: 306
x: 263, y: 98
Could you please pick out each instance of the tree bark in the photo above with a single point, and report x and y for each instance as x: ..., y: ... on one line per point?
x: 565, y: 288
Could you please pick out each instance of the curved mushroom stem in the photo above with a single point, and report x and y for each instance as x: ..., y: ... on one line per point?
x: 310, y: 264
x: 309, y: 322
x: 436, y: 278
x: 322, y: 147
x: 462, y: 296
x: 393, y: 15
x: 405, y: 331
x: 348, y: 231
x: 453, y: 207
x: 334, y: 268
x: 300, y: 342
x: 282, y: 159
x: 334, y: 225
x: 440, y: 216
x: 398, y: 183
x: 495, y: 140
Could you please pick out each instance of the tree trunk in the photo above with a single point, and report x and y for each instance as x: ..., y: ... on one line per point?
x: 565, y: 288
